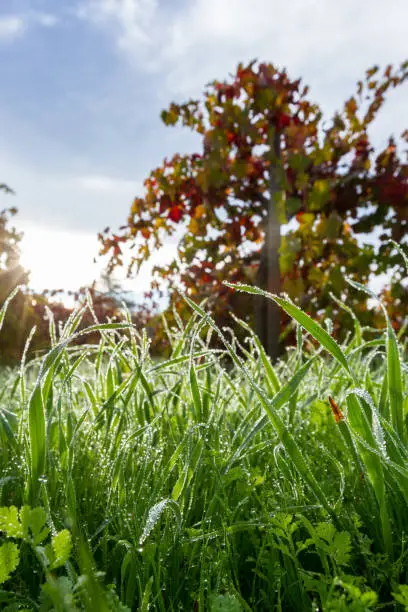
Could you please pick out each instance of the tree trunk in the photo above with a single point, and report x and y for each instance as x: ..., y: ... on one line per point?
x: 267, y: 313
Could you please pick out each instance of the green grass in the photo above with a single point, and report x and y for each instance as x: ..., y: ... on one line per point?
x: 210, y: 481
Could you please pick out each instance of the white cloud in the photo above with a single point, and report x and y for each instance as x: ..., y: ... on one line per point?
x: 67, y: 200
x: 46, y: 20
x: 103, y: 183
x: 131, y: 20
x: 14, y: 26
x: 329, y: 44
x: 199, y: 40
x: 11, y: 27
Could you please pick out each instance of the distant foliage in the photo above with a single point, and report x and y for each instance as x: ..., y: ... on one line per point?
x: 21, y: 317
x: 11, y: 272
x: 43, y: 314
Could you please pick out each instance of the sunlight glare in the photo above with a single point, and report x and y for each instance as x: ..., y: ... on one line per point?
x: 59, y: 259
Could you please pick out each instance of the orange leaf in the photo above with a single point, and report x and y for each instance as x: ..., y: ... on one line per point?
x: 199, y: 211
x: 351, y: 106
x: 159, y: 222
x: 193, y: 226
x: 338, y: 415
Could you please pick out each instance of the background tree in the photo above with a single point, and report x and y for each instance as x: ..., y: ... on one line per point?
x: 11, y: 272
x: 21, y: 316
x: 268, y: 158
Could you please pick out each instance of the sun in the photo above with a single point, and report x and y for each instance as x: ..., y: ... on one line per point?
x: 59, y: 259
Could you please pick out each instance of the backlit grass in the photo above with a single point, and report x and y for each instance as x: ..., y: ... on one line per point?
x: 210, y: 481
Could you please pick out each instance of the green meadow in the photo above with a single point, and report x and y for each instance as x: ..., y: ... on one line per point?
x: 212, y: 480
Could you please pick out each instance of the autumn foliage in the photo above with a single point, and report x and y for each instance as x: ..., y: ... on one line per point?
x: 335, y: 189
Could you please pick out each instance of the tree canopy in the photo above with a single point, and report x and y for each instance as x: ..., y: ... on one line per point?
x: 334, y: 188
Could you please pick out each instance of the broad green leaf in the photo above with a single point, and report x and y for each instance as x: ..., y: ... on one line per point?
x: 61, y: 545
x: 60, y: 591
x: 225, y: 603
x: 9, y: 560
x: 38, y: 519
x: 402, y: 595
x: 25, y: 514
x: 9, y: 522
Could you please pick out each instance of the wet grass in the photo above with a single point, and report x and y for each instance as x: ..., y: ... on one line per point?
x: 194, y: 485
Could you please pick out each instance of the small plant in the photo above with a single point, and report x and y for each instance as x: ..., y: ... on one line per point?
x: 402, y: 596
x: 29, y: 525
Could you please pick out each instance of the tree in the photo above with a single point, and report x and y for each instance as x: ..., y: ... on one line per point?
x: 267, y: 159
x: 11, y: 272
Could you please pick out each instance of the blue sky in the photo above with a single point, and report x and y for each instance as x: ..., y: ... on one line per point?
x: 83, y: 83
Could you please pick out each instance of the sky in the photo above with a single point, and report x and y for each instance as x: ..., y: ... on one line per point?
x: 83, y: 83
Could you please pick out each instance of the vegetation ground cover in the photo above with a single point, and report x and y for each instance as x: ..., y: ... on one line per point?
x: 208, y: 481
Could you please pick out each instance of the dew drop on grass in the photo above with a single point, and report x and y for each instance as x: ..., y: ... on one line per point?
x: 154, y: 515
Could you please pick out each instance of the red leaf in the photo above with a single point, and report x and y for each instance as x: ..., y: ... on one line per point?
x: 230, y: 137
x: 229, y: 92
x: 361, y: 145
x: 165, y: 203
x: 282, y: 121
x: 175, y: 214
